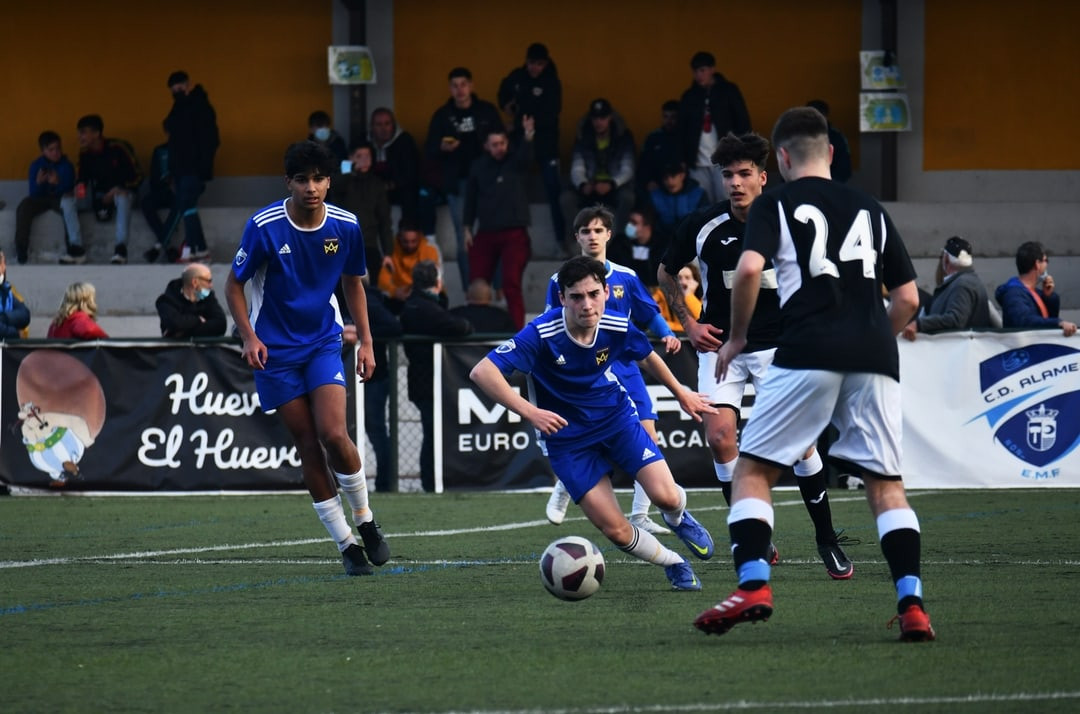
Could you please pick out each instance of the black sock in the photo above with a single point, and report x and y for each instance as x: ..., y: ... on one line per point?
x: 815, y: 496
x: 750, y: 540
x: 725, y: 488
x: 901, y: 549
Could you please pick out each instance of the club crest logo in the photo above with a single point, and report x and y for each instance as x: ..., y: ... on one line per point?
x: 1033, y: 395
x: 602, y: 355
x: 618, y: 291
x: 505, y: 347
x: 330, y: 246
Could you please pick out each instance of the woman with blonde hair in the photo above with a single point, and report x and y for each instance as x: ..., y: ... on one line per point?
x: 77, y: 316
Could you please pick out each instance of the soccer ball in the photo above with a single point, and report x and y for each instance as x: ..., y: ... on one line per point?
x: 572, y: 568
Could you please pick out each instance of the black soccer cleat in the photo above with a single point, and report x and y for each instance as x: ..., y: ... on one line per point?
x: 355, y: 562
x: 377, y: 549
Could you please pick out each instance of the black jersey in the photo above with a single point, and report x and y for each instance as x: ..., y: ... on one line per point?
x: 715, y: 237
x: 833, y: 248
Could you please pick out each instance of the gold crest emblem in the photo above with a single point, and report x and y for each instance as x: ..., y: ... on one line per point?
x: 602, y: 355
x: 618, y: 291
x: 330, y: 246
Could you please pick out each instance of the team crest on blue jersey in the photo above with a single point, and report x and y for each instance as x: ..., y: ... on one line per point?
x: 602, y: 355
x: 505, y: 347
x: 1034, y: 393
x: 330, y: 245
x: 241, y: 256
x: 618, y: 291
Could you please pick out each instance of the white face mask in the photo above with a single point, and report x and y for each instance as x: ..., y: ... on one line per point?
x: 322, y: 133
x: 202, y: 293
x: 631, y: 230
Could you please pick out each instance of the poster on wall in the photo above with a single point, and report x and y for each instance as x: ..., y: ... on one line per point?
x: 884, y: 111
x: 350, y: 64
x: 879, y: 70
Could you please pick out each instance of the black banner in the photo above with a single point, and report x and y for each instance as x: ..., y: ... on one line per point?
x: 147, y: 416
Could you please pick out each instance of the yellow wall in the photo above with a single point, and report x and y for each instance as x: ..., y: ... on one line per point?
x: 263, y: 63
x: 636, y: 53
x: 1002, y: 85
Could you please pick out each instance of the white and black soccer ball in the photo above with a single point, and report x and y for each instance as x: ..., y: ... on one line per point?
x: 572, y: 568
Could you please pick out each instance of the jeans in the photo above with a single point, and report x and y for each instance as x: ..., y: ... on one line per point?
x: 509, y: 248
x: 549, y: 171
x: 186, y: 192
x: 376, y: 393
x: 426, y: 408
x: 122, y: 200
x: 33, y: 206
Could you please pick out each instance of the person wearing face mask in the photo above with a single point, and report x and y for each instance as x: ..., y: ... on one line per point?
x: 960, y: 302
x: 1028, y: 298
x: 193, y: 140
x: 188, y: 307
x: 321, y: 130
x: 641, y: 245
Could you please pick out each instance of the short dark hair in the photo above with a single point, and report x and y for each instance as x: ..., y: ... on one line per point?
x: 702, y: 59
x: 673, y: 168
x: 177, y: 77
x: 537, y: 51
x: 1027, y: 255
x: 802, y: 132
x: 592, y: 213
x: 306, y: 156
x: 671, y: 105
x: 91, y: 121
x: 46, y: 138
x: 747, y: 147
x: 821, y: 105
x: 647, y: 211
x: 408, y: 224
x: 459, y: 72
x: 425, y: 275
x: 578, y: 268
x: 494, y: 130
x: 361, y: 144
x: 319, y: 118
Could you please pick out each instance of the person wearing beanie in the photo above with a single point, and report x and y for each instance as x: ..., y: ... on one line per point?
x: 960, y: 302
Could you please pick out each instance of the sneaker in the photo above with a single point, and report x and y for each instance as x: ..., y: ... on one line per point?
x: 184, y: 256
x: 120, y: 254
x: 557, y: 503
x: 836, y: 561
x: 153, y: 254
x: 374, y: 543
x: 76, y: 255
x: 642, y: 521
x: 355, y: 562
x: 774, y: 555
x: 694, y: 535
x: 682, y: 576
x: 200, y: 255
x: 914, y: 625
x: 740, y: 606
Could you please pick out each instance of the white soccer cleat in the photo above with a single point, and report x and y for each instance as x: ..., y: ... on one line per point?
x: 643, y: 522
x: 558, y: 503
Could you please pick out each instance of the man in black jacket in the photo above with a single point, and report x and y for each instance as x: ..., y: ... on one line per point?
x: 425, y: 315
x: 193, y: 140
x: 188, y: 307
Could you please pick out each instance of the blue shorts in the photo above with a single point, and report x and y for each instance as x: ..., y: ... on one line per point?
x: 280, y: 383
x: 582, y: 463
x: 633, y: 382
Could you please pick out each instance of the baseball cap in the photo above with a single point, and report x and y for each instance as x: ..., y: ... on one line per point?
x: 537, y: 51
x: 177, y: 77
x: 959, y: 251
x: 600, y: 108
x: 702, y: 59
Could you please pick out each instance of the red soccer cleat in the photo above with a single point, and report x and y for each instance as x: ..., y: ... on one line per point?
x: 914, y: 625
x: 739, y: 606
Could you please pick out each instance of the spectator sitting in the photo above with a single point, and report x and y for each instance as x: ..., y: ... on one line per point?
x: 395, y: 278
x: 689, y: 278
x: 321, y: 130
x: 661, y: 148
x: 397, y: 161
x: 14, y: 315
x: 52, y: 187
x: 363, y: 193
x: 110, y: 172
x: 424, y: 315
x: 840, y: 169
x: 677, y: 196
x: 1028, y: 299
x: 479, y: 311
x: 188, y: 307
x: 960, y: 302
x: 77, y: 316
x: 641, y: 246
x: 602, y: 164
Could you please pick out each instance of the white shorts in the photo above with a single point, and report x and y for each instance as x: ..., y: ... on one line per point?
x: 749, y: 367
x: 793, y: 407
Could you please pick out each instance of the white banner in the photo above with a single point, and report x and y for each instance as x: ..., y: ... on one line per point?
x: 991, y: 410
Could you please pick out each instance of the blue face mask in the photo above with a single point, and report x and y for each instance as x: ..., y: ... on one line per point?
x: 202, y: 293
x: 322, y: 133
x: 631, y: 230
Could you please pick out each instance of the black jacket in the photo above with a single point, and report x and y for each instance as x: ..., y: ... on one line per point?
x: 423, y: 315
x: 469, y: 126
x: 193, y: 135
x: 181, y: 318
x: 726, y: 105
x: 497, y: 192
x: 540, y: 98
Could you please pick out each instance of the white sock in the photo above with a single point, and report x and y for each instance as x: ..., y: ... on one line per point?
x: 333, y: 517
x: 355, y: 488
x: 810, y: 466
x: 641, y: 501
x: 674, y: 518
x: 725, y: 471
x: 646, y: 546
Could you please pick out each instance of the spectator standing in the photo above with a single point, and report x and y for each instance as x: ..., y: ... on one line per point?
x: 708, y: 110
x: 77, y: 316
x: 496, y: 201
x: 361, y: 192
x: 424, y: 314
x: 14, y: 315
x: 1028, y: 298
x: 455, y: 139
x: 188, y: 307
x: 397, y: 161
x: 676, y: 197
x: 191, y: 126
x: 534, y: 90
x: 960, y: 302
x: 395, y: 278
x: 602, y: 165
x: 384, y: 325
x: 479, y: 311
x: 661, y: 148
x: 841, y: 158
x: 110, y: 173
x: 321, y: 130
x: 52, y: 187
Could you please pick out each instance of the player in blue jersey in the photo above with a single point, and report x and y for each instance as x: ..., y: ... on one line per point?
x: 628, y: 295
x: 834, y: 249
x: 295, y: 252
x: 585, y: 421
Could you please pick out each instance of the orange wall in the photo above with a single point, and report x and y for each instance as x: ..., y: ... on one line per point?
x: 1002, y: 85
x: 263, y: 63
x: 636, y: 53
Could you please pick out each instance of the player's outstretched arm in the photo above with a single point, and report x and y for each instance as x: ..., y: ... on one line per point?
x: 488, y: 377
x: 692, y: 403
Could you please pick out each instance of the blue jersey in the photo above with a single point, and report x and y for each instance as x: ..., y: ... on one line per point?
x: 628, y: 295
x: 293, y: 273
x: 573, y: 380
